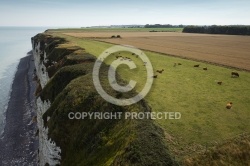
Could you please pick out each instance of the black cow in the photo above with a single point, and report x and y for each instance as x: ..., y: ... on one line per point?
x: 235, y: 74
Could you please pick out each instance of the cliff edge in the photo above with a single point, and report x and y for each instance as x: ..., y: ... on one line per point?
x: 64, y: 75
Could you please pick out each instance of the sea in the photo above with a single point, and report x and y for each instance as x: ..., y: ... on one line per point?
x: 15, y: 43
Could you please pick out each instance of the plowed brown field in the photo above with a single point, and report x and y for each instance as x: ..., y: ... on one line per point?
x: 228, y: 50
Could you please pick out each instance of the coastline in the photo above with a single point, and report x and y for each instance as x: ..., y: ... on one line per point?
x: 19, y: 144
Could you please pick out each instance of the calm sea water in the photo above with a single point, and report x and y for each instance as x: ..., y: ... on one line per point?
x: 15, y: 42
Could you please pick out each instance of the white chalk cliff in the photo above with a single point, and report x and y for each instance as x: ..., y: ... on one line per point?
x: 48, y: 151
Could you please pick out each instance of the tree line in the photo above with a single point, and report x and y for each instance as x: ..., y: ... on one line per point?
x: 162, y: 26
x: 214, y: 29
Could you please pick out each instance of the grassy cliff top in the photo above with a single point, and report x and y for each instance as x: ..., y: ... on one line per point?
x: 193, y: 92
x: 93, y: 141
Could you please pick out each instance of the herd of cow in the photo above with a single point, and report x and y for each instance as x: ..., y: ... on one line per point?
x: 233, y: 75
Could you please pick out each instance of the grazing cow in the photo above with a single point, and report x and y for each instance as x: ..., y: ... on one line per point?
x: 118, y: 56
x: 235, y: 74
x: 196, y: 65
x: 155, y: 76
x: 219, y: 82
x: 133, y: 53
x: 205, y: 68
x: 179, y: 64
x: 160, y: 71
x: 229, y: 105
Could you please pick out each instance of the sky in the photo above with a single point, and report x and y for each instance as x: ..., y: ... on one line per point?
x: 82, y: 13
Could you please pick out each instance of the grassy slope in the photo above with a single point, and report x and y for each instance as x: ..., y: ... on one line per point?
x: 195, y: 93
x: 234, y: 151
x: 94, y: 142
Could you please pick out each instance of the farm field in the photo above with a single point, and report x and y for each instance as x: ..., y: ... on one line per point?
x: 191, y: 91
x: 227, y: 50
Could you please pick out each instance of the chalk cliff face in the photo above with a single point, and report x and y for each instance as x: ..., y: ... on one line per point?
x: 48, y: 151
x: 64, y: 73
x: 40, y: 59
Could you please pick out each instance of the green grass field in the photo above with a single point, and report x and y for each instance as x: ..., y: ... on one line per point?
x: 192, y: 91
